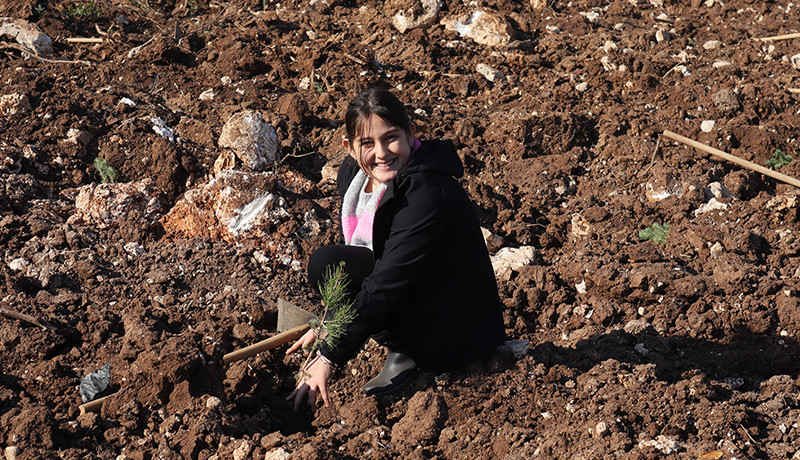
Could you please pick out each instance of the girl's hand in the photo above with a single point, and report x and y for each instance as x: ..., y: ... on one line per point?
x: 305, y: 341
x: 313, y: 380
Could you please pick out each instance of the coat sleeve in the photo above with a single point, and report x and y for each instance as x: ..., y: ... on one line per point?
x: 418, y: 223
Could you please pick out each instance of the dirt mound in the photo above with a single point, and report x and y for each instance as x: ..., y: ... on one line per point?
x: 659, y: 317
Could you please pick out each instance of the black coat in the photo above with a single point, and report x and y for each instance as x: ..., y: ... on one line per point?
x: 433, y: 285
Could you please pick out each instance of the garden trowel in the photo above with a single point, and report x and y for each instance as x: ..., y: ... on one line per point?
x: 292, y: 324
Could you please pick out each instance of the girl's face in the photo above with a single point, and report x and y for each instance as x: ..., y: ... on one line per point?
x: 381, y: 149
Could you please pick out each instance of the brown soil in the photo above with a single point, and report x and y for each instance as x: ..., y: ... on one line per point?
x: 684, y: 349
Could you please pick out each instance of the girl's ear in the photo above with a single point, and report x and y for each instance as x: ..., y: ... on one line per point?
x: 349, y: 147
x: 412, y: 130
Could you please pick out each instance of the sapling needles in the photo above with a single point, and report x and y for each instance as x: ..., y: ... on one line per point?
x: 338, y: 311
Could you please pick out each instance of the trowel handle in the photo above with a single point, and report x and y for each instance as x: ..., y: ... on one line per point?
x: 268, y: 344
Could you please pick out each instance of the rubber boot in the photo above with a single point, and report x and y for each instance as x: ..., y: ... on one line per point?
x: 396, y: 372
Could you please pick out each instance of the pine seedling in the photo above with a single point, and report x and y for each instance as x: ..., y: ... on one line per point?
x: 106, y: 171
x: 655, y: 232
x: 337, y: 314
x: 779, y: 160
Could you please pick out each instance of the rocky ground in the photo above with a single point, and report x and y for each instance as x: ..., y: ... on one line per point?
x: 683, y: 345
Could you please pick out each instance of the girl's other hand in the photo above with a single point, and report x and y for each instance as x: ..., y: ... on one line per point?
x: 313, y: 380
x: 305, y: 341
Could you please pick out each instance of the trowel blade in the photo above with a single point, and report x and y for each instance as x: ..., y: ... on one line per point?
x: 290, y: 315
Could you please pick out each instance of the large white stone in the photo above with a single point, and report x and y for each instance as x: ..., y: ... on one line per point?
x: 253, y: 140
x: 483, y: 26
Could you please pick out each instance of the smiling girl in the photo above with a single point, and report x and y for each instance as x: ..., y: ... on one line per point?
x: 422, y: 282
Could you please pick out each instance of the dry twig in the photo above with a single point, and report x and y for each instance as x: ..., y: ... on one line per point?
x: 27, y: 318
x: 776, y: 38
x: 6, y: 45
x: 794, y: 90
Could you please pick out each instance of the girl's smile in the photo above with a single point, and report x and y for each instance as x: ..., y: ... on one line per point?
x: 381, y: 149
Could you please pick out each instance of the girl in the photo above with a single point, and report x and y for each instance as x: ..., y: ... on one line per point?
x: 422, y: 281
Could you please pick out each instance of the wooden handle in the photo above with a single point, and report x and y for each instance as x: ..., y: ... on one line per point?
x: 94, y: 406
x: 733, y: 159
x: 268, y: 344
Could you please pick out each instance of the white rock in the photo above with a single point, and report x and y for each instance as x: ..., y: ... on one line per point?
x: 601, y: 429
x: 12, y: 104
x: 795, y: 61
x: 11, y: 452
x: 489, y: 72
x: 277, y: 454
x: 78, y: 136
x: 253, y: 140
x: 509, y: 259
x: 493, y: 242
x: 538, y: 4
x: 581, y: 287
x: 127, y: 102
x: 716, y: 249
x: 580, y: 227
x: 662, y: 443
x: 483, y: 26
x: 720, y: 64
x: 161, y: 128
x: 582, y: 86
x: 663, y: 36
x: 718, y: 191
x: 707, y: 126
x: 101, y: 204
x: 712, y: 205
x: 712, y: 45
x: 19, y: 264
x: 135, y: 249
x: 207, y: 95
x: 609, y: 46
x: 417, y: 14
x: 591, y: 16
x: 241, y: 452
x: 27, y: 34
x: 213, y: 402
x: 517, y: 348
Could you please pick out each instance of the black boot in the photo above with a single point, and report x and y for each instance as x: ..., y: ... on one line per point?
x: 396, y: 372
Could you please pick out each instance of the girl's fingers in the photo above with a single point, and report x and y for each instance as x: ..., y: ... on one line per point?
x: 323, y: 391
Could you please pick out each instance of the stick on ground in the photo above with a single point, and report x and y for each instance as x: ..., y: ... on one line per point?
x: 776, y: 38
x: 733, y: 159
x: 27, y: 318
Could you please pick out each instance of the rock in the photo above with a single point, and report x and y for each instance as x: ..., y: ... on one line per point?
x: 207, y: 95
x: 160, y: 127
x: 412, y: 14
x: 235, y: 207
x: 582, y: 86
x: 489, y: 72
x: 509, y: 259
x: 716, y: 249
x: 134, y: 249
x: 421, y: 423
x: 225, y: 160
x: 213, y: 402
x: 663, y: 36
x: 493, y: 242
x: 718, y: 191
x: 12, y: 104
x: 727, y: 101
x: 591, y: 16
x: 665, y: 445
x: 241, y: 452
x: 538, y: 4
x: 78, y: 136
x: 655, y: 193
x: 712, y: 205
x: 707, y: 126
x: 277, y: 454
x: 720, y: 64
x: 11, y: 452
x: 253, y: 140
x: 600, y: 429
x: 795, y: 60
x: 580, y: 227
x: 27, y: 34
x: 101, y: 204
x: 712, y: 45
x: 484, y: 27
x: 516, y: 348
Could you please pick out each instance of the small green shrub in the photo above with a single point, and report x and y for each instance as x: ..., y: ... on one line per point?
x: 779, y: 160
x: 90, y: 9
x: 655, y: 232
x: 106, y: 171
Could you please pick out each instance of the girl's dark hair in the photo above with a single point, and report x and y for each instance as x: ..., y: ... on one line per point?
x: 374, y: 101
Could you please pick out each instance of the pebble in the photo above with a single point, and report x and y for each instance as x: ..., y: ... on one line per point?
x: 795, y: 61
x: 582, y: 86
x: 11, y: 452
x: 241, y: 452
x: 601, y: 429
x: 417, y: 15
x: 277, y: 454
x: 663, y: 36
x: 720, y: 64
x: 707, y: 126
x: 213, y: 402
x: 509, y: 259
x: 207, y: 95
x: 489, y: 72
x: 716, y: 249
x: 712, y: 45
x: 12, y: 104
x: 161, y: 128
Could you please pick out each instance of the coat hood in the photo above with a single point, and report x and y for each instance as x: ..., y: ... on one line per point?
x: 435, y: 156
